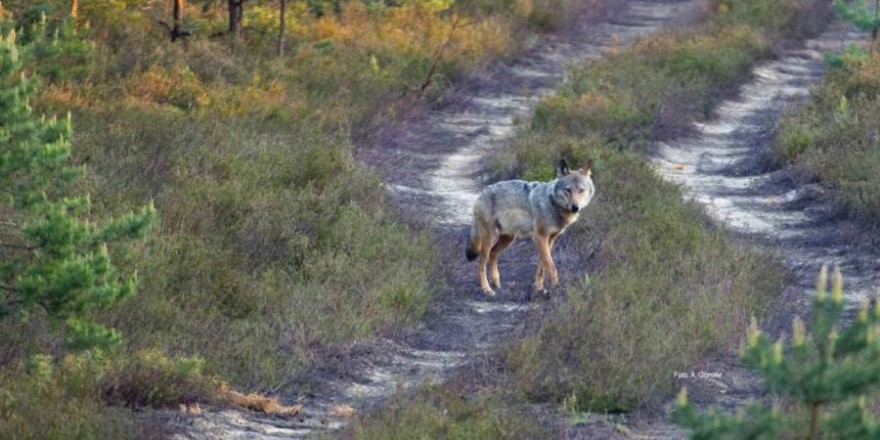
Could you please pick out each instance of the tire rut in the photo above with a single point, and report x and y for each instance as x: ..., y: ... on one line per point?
x: 722, y: 167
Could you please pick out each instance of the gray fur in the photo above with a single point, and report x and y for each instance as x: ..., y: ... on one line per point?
x: 515, y: 209
x: 517, y: 205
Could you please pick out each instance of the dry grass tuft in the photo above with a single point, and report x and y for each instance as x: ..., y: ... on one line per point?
x: 344, y: 411
x: 255, y: 402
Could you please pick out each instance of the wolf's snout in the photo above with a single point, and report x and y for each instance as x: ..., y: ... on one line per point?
x: 575, y: 208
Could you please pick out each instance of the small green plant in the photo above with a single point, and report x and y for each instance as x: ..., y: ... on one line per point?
x: 572, y: 408
x: 58, y: 50
x: 825, y: 376
x: 52, y: 256
x: 839, y: 60
x: 864, y: 19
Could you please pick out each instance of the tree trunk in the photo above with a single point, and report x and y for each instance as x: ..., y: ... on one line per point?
x: 281, y: 29
x: 235, y: 8
x: 874, y: 32
x: 438, y: 54
x: 873, y: 40
x: 74, y: 9
x: 178, y: 20
x: 814, y: 419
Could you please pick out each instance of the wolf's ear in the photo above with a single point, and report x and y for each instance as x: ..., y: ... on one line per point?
x: 586, y: 170
x: 563, y: 170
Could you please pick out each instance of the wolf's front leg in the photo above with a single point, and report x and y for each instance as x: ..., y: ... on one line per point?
x: 484, y: 283
x: 484, y: 259
x: 554, y: 276
x: 550, y: 268
x: 545, y: 264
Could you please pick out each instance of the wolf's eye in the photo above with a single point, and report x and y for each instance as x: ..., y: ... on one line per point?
x: 567, y: 190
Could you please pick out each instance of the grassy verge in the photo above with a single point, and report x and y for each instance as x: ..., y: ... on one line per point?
x: 834, y: 137
x: 272, y: 241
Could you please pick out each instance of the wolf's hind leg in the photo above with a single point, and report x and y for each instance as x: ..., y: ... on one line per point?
x: 487, y: 239
x: 554, y: 276
x: 504, y: 242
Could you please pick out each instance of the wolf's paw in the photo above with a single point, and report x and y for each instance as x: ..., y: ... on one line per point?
x: 496, y: 283
x: 488, y: 291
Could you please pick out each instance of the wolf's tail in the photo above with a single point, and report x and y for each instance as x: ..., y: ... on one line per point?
x: 473, y: 247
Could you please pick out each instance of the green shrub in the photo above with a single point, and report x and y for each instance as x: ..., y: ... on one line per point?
x: 790, y: 19
x: 834, y: 137
x: 52, y: 256
x: 44, y: 400
x: 58, y: 50
x: 793, y: 141
x: 271, y: 236
x: 150, y: 378
x: 864, y: 18
x: 825, y: 378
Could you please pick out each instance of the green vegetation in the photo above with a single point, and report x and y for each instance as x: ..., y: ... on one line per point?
x: 272, y: 242
x: 45, y: 399
x: 655, y: 87
x: 650, y: 89
x: 54, y: 259
x: 443, y: 412
x: 825, y: 378
x: 834, y: 137
x: 667, y: 289
x: 858, y: 14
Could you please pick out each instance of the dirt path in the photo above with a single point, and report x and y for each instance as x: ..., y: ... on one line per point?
x: 725, y: 168
x: 433, y: 169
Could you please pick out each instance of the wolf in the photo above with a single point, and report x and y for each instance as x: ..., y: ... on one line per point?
x: 513, y: 209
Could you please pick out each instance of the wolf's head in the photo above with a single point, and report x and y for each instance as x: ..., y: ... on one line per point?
x: 573, y: 189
